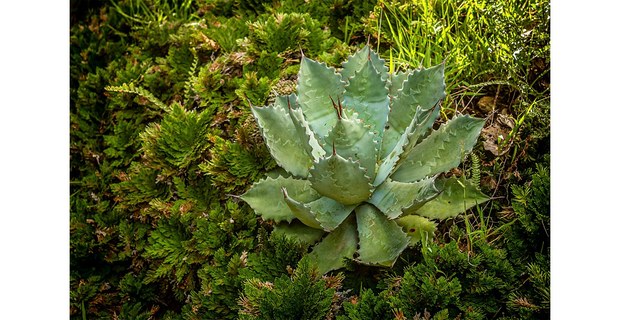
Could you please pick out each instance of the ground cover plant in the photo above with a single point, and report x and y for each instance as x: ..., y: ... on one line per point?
x: 164, y: 140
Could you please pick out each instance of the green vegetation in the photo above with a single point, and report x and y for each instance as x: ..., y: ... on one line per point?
x: 163, y: 141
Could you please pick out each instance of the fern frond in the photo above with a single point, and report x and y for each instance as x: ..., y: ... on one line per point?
x: 475, y: 170
x: 132, y: 88
x: 188, y: 88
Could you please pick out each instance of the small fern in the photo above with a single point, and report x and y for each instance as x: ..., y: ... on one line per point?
x: 475, y: 170
x: 188, y: 88
x: 132, y: 88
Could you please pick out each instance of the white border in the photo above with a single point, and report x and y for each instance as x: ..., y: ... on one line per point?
x: 34, y: 159
x: 585, y: 129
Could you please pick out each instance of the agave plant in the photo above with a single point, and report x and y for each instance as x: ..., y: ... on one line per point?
x: 363, y: 168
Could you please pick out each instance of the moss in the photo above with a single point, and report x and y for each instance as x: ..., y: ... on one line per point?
x: 303, y: 295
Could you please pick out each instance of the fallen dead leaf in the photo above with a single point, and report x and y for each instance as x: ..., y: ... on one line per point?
x: 494, y: 136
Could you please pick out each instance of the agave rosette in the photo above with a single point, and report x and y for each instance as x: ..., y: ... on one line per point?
x: 362, y: 163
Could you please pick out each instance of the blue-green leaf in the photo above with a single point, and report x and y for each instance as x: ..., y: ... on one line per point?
x: 381, y: 240
x: 424, y: 89
x: 301, y: 211
x: 356, y: 62
x: 397, y: 147
x: 299, y: 231
x: 329, y: 212
x: 266, y: 198
x: 367, y: 95
x: 391, y: 197
x: 317, y: 86
x: 457, y: 195
x: 441, y: 151
x: 340, y: 179
x: 396, y: 82
x: 395, y: 137
x: 339, y: 245
x: 280, y: 134
x: 312, y: 146
x: 352, y: 139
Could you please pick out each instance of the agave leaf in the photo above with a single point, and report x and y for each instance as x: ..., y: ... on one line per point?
x: 416, y: 129
x: 329, y: 212
x: 423, y: 88
x: 418, y: 228
x: 367, y: 95
x: 428, y: 118
x: 340, y: 179
x: 457, y: 195
x: 299, y: 231
x: 281, y: 137
x: 301, y: 211
x: 425, y: 122
x: 441, y: 151
x: 396, y: 149
x: 356, y: 62
x: 426, y: 194
x: 312, y: 146
x: 381, y: 240
x: 338, y: 245
x: 265, y: 197
x: 391, y: 197
x: 352, y: 139
x: 397, y: 80
x: 317, y: 85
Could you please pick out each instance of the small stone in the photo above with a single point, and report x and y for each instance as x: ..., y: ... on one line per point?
x: 486, y: 104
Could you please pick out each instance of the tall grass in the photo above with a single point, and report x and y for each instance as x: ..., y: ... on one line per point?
x: 144, y: 12
x: 484, y: 43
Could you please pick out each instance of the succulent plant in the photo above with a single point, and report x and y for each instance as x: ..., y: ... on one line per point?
x: 363, y: 168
